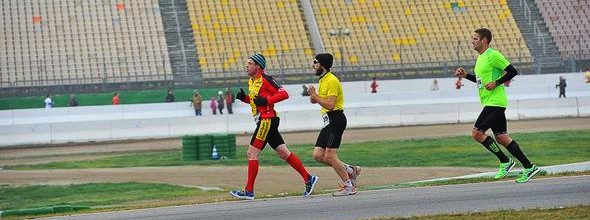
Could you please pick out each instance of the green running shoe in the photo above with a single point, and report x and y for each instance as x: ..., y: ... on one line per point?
x: 504, y: 169
x: 527, y: 174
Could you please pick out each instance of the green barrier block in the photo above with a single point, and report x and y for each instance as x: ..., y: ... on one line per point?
x: 189, y: 142
x: 63, y: 208
x: 189, y: 149
x: 18, y: 212
x: 193, y: 154
x: 204, y: 143
x: 189, y: 158
x: 80, y: 207
x: 189, y: 152
x: 189, y: 137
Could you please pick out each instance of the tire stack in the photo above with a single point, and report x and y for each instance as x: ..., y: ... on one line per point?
x: 189, y: 147
x: 204, y: 147
x: 200, y: 147
x: 225, y: 145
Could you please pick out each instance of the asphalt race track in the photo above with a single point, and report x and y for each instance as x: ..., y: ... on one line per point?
x: 499, y: 195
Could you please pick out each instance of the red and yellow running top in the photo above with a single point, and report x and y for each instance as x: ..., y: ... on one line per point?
x: 265, y: 86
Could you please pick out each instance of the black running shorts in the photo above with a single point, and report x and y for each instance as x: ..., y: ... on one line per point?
x: 267, y: 131
x: 331, y: 135
x: 491, y: 117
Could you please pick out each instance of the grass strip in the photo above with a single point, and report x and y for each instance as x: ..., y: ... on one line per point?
x: 543, y: 148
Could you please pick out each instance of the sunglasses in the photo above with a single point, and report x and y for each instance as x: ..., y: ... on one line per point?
x: 315, y: 62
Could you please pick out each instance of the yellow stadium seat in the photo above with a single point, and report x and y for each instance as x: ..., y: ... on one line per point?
x: 220, y: 16
x: 207, y: 17
x: 353, y: 59
x: 285, y: 47
x: 377, y: 28
x: 422, y: 30
x: 407, y: 11
x: 259, y: 29
x: 377, y: 4
x: 447, y: 5
x: 234, y: 11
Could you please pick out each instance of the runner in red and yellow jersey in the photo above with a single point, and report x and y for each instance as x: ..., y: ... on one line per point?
x: 264, y: 93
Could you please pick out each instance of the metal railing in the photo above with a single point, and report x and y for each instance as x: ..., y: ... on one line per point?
x: 527, y: 11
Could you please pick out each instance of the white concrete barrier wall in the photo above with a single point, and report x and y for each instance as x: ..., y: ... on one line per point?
x: 359, y: 117
x: 399, y: 102
x: 6, y: 117
x: 393, y: 93
x: 544, y: 108
x: 75, y: 131
x: 373, y: 116
x: 583, y: 106
x: 468, y: 112
x: 575, y: 82
x: 26, y: 134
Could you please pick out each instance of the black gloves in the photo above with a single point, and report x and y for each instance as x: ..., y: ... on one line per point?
x: 258, y: 101
x: 241, y: 95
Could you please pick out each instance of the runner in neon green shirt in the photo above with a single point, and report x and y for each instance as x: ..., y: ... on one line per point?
x: 489, y: 77
x: 489, y: 67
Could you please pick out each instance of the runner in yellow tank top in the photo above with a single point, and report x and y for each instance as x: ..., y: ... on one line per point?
x: 331, y: 98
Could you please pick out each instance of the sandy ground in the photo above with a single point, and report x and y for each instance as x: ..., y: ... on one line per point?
x: 271, y: 180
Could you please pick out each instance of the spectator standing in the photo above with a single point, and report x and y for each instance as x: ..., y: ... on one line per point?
x: 116, y: 100
x: 434, y: 86
x: 48, y: 102
x: 229, y: 100
x: 561, y: 85
x: 73, y: 101
x: 374, y: 85
x: 213, y: 105
x: 220, y: 102
x: 169, y: 96
x: 197, y: 102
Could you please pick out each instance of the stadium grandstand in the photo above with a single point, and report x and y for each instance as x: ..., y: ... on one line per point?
x: 62, y: 46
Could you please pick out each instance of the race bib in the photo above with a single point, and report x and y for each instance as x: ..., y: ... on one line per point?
x: 478, y: 81
x: 257, y: 117
x: 326, y: 120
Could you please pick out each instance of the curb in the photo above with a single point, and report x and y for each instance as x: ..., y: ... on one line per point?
x: 555, y: 169
x: 42, y: 210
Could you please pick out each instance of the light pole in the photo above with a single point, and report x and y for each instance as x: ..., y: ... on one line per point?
x: 340, y: 33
